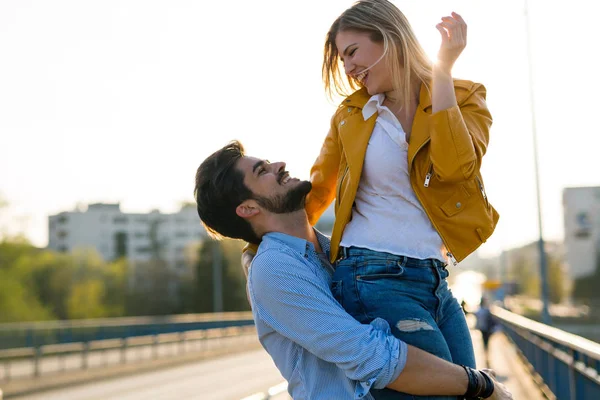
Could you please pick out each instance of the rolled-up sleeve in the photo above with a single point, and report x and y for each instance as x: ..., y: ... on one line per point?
x: 290, y: 298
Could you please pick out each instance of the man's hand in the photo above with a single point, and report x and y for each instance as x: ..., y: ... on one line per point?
x: 247, y: 257
x: 500, y: 391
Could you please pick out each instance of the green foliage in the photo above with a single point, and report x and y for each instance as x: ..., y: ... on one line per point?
x: 154, y: 291
x: 556, y: 280
x: 17, y: 303
x: 234, y: 288
x: 39, y: 284
x: 228, y: 252
x: 526, y: 272
x: 85, y: 300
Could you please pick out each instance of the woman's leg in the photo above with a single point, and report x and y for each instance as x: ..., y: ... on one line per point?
x: 453, y: 324
x: 374, y: 285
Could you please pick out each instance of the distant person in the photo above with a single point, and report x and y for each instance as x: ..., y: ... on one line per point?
x: 317, y: 346
x: 486, y: 325
x: 402, y: 162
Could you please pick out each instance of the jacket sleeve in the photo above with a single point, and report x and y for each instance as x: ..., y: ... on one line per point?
x: 459, y: 137
x: 323, y: 176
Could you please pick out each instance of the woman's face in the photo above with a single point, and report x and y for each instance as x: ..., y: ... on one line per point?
x: 359, y: 53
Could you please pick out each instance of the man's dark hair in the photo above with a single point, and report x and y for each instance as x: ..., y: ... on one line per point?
x: 219, y: 190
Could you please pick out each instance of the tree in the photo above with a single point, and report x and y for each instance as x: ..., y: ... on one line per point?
x: 116, y: 286
x: 556, y: 279
x: 12, y: 249
x: 523, y: 272
x: 85, y: 300
x: 18, y: 304
x: 235, y: 297
x: 155, y: 286
x: 233, y: 283
x: 50, y: 276
x: 40, y: 284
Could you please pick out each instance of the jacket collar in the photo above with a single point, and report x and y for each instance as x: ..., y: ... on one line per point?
x: 357, y: 99
x: 361, y: 97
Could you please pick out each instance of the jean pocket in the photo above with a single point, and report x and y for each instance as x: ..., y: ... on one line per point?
x: 336, y: 290
x: 374, y: 271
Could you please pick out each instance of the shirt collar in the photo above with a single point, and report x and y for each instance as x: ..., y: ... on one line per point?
x: 300, y: 245
x: 372, y: 105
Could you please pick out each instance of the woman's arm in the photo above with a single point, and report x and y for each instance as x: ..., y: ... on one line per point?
x: 454, y: 39
x: 459, y: 128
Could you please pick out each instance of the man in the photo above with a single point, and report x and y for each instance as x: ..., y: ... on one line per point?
x: 320, y: 350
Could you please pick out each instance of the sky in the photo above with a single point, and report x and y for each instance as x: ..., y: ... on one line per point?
x: 120, y: 101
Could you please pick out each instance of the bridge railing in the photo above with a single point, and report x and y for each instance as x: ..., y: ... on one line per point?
x: 36, y: 334
x: 566, y: 366
x: 33, y: 362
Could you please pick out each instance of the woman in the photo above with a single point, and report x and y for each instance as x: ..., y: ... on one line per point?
x: 402, y: 160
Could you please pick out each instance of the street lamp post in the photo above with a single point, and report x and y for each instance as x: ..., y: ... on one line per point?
x: 542, y: 253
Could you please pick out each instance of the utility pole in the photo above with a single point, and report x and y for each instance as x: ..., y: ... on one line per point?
x: 542, y: 253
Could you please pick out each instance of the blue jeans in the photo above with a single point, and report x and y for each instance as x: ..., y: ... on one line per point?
x: 412, y: 296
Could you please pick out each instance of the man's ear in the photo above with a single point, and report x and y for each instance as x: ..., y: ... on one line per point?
x: 247, y: 209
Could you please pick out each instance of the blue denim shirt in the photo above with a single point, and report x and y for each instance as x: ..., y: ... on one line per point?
x: 319, y: 349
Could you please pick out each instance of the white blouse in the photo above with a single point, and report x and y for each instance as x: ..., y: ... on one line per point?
x: 387, y: 216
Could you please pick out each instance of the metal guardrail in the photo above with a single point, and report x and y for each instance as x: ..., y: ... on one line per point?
x: 566, y: 366
x: 32, y: 358
x: 35, y: 334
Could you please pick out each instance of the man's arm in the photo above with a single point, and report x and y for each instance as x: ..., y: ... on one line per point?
x: 426, y: 374
x: 288, y: 296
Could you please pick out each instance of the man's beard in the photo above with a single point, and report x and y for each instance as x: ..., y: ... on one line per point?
x: 286, y: 203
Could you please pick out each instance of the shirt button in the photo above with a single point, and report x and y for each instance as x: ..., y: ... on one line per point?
x: 458, y: 205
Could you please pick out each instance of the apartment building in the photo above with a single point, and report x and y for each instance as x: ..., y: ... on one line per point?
x: 137, y: 236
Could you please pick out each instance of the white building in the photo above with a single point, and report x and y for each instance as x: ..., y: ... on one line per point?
x: 137, y: 237
x: 582, y: 230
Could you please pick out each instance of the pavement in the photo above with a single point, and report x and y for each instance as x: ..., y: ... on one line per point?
x: 102, y: 374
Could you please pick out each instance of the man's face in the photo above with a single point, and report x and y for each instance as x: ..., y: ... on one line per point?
x: 272, y: 187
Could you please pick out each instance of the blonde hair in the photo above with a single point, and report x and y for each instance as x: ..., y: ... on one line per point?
x: 384, y: 22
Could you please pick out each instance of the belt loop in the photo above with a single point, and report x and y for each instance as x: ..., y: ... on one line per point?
x: 403, y: 260
x: 438, y: 263
x: 342, y: 253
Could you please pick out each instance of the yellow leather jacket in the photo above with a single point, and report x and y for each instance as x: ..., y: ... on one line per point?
x: 444, y: 159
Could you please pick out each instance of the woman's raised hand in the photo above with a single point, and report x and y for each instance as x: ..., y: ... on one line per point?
x: 454, y: 39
